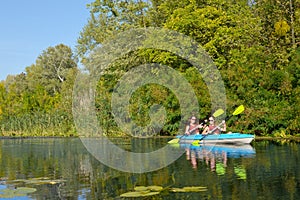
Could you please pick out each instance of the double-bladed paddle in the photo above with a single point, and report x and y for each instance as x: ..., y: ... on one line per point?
x: 217, y: 113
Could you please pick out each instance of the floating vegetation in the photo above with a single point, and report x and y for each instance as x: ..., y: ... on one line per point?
x: 18, y: 192
x: 38, y: 181
x: 143, y: 191
x: 140, y: 188
x: 153, y: 188
x: 139, y: 194
x: 24, y: 191
x: 189, y: 189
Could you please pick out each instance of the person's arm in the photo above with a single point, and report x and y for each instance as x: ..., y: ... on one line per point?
x: 205, y: 130
x: 187, y: 130
x: 224, y: 126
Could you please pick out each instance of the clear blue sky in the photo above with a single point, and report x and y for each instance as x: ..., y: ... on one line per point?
x: 27, y: 27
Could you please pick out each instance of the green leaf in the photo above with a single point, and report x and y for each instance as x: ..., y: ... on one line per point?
x: 139, y: 194
x: 155, y: 188
x: 141, y: 188
x: 12, y: 193
x: 189, y: 189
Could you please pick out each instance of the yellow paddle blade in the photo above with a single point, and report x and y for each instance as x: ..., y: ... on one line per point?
x: 174, y: 141
x: 218, y: 112
x: 239, y: 110
x: 196, y: 143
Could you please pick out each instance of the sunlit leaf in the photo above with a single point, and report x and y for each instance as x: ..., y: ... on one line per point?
x: 140, y: 188
x: 189, y: 189
x: 139, y: 194
x: 25, y: 190
x: 12, y: 193
x: 155, y: 188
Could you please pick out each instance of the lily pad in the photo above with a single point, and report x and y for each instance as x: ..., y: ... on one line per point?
x: 195, y: 189
x: 38, y: 181
x: 16, y: 181
x: 18, y: 192
x: 25, y: 190
x: 139, y: 194
x: 189, y: 189
x: 40, y: 178
x: 131, y: 194
x: 177, y: 190
x: 150, y: 194
x: 140, y: 188
x: 155, y: 188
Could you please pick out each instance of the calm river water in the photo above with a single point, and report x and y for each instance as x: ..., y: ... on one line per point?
x: 61, y: 168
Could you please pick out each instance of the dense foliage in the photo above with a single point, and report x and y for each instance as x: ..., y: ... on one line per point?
x: 254, y: 44
x: 39, y: 102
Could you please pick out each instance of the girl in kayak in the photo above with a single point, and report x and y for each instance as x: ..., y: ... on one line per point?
x: 212, y: 128
x: 193, y: 126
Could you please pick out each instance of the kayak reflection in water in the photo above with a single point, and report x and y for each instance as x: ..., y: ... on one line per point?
x: 216, y: 162
x: 191, y: 155
x: 215, y: 157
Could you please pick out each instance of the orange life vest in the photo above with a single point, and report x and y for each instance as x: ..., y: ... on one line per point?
x: 191, y: 127
x: 212, y: 127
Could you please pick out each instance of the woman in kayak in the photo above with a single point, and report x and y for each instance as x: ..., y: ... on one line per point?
x: 193, y: 126
x: 212, y: 128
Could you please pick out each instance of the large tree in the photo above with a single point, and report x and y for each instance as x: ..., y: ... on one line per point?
x: 51, y: 68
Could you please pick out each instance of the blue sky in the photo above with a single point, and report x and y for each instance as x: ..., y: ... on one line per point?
x: 27, y: 27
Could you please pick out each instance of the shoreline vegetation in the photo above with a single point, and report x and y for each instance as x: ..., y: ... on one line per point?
x: 255, y: 47
x: 257, y: 138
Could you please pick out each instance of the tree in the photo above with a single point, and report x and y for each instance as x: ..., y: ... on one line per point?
x: 39, y: 101
x: 109, y: 17
x: 2, y: 99
x: 51, y: 68
x: 253, y: 43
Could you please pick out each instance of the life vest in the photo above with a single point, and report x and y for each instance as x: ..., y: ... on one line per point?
x: 192, y: 126
x: 212, y: 127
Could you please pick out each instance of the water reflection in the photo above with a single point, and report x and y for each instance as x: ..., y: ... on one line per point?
x: 63, y: 169
x: 216, y: 156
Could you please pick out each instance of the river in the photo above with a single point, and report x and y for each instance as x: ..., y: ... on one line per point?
x: 62, y: 168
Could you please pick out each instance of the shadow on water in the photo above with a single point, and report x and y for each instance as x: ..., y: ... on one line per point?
x: 61, y: 168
